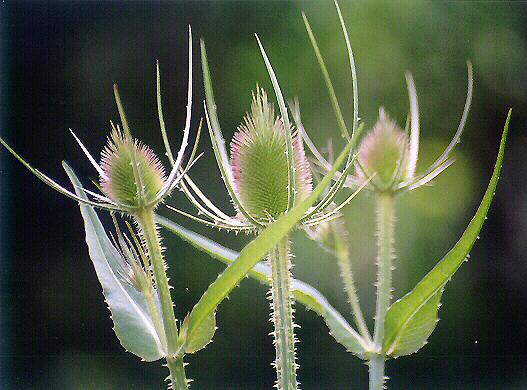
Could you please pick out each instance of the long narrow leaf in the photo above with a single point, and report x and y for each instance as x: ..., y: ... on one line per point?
x: 305, y: 294
x: 402, y: 313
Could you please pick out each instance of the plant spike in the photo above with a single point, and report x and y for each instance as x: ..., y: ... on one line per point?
x: 350, y: 181
x: 353, y: 73
x: 186, y: 178
x: 214, y: 223
x: 461, y: 126
x: 173, y: 177
x: 88, y: 155
x: 196, y: 143
x: 166, y: 142
x: 414, y: 127
x: 430, y: 176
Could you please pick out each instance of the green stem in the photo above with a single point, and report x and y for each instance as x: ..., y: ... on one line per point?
x: 145, y: 219
x: 344, y: 262
x: 376, y: 371
x: 284, y: 337
x: 177, y: 373
x: 385, y: 211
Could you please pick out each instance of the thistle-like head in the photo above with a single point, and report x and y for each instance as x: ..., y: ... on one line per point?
x: 259, y: 162
x: 383, y: 152
x: 119, y: 159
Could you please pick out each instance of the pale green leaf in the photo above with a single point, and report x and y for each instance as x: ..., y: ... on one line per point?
x: 416, y: 331
x: 256, y: 250
x: 129, y: 310
x: 303, y: 293
x: 202, y: 336
x: 410, y: 320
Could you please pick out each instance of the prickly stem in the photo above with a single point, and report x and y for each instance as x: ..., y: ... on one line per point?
x: 344, y: 262
x: 150, y: 236
x: 177, y: 373
x: 376, y: 371
x: 282, y: 316
x: 385, y: 212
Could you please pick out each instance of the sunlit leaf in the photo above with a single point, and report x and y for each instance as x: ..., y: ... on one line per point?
x: 410, y: 320
x: 129, y: 310
x: 415, y: 332
x: 202, y: 336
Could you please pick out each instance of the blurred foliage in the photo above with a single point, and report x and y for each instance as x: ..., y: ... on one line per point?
x: 62, y: 59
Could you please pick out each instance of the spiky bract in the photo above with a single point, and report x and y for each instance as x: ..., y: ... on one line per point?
x: 259, y: 162
x: 383, y: 152
x: 119, y: 182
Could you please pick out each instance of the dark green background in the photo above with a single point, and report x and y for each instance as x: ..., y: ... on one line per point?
x: 59, y: 60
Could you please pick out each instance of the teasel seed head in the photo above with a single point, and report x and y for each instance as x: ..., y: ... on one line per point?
x: 259, y: 162
x: 119, y: 181
x: 383, y: 152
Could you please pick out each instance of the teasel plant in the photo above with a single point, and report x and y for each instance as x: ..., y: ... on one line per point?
x: 388, y: 156
x: 131, y: 266
x: 132, y: 270
x: 266, y: 176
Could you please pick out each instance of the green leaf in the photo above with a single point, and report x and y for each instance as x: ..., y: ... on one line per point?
x: 129, y: 310
x: 411, y: 320
x: 202, y: 336
x: 303, y: 293
x: 256, y: 250
x: 415, y: 332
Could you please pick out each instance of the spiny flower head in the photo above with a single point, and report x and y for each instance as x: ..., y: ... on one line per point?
x: 259, y: 162
x: 388, y: 155
x: 118, y: 180
x: 383, y: 152
x: 267, y: 173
